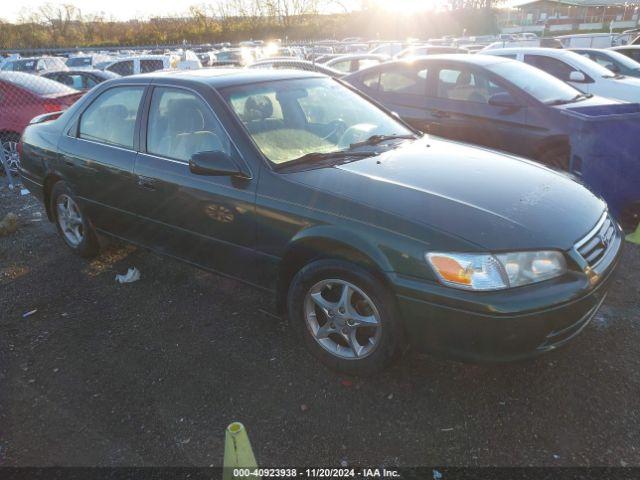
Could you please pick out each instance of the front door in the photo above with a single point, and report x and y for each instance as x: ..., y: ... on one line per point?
x: 459, y: 109
x: 208, y: 220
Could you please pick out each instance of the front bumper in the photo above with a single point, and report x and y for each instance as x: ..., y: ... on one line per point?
x: 500, y: 326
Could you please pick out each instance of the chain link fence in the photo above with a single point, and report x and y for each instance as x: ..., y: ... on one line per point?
x: 29, y: 88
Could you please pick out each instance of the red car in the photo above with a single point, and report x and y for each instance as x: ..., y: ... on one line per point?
x: 22, y: 97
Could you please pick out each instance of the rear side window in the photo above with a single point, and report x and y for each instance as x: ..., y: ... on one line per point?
x: 409, y: 81
x: 555, y: 67
x: 111, y: 118
x: 181, y: 124
x: 147, y: 66
x: 122, y: 68
x: 371, y: 79
x: 79, y: 62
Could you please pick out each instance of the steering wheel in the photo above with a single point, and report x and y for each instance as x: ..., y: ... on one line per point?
x: 338, y: 127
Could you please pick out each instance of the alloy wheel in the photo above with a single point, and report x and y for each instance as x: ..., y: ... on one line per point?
x: 342, y: 319
x: 70, y: 220
x: 10, y: 150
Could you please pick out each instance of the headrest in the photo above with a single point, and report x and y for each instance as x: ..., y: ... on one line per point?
x: 185, y: 116
x: 115, y: 112
x: 463, y: 79
x: 257, y: 107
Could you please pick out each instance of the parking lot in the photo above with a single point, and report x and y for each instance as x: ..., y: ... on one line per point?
x: 150, y: 373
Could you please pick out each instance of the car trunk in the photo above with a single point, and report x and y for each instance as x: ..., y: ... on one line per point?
x: 55, y: 102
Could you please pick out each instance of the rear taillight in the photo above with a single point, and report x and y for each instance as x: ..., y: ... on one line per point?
x: 50, y: 107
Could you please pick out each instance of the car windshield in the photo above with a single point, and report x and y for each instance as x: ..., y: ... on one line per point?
x: 27, y: 65
x: 539, y: 84
x: 580, y: 62
x: 79, y: 62
x: 623, y: 60
x: 291, y: 119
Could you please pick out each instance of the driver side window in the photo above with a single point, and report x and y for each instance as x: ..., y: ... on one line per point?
x: 181, y: 124
x: 465, y: 85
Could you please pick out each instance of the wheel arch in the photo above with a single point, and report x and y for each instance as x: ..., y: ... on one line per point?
x: 324, y: 242
x: 49, y: 181
x: 553, y: 142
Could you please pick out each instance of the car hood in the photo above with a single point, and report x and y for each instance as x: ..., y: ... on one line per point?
x: 594, y: 101
x: 627, y: 88
x: 488, y: 199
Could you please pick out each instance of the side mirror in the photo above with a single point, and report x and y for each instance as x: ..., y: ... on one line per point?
x: 576, y: 76
x: 503, y: 99
x: 215, y: 164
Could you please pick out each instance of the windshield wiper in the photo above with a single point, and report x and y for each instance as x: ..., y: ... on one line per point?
x: 376, y: 139
x: 577, y: 98
x: 328, y: 157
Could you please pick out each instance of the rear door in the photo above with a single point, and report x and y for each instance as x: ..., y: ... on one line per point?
x: 460, y: 109
x: 98, y: 157
x: 208, y: 220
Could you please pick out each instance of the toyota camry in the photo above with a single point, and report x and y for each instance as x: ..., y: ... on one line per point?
x: 371, y: 236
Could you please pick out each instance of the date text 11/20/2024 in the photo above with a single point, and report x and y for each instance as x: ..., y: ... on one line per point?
x: 315, y: 473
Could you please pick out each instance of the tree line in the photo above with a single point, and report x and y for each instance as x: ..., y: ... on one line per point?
x: 66, y: 26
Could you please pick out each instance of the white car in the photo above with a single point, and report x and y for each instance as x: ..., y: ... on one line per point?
x: 577, y: 70
x: 151, y: 63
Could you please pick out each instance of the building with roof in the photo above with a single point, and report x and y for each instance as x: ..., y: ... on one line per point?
x: 571, y: 15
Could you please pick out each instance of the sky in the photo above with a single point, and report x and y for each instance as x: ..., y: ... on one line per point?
x: 127, y: 9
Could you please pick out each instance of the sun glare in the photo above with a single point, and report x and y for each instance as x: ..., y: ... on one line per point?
x: 408, y: 6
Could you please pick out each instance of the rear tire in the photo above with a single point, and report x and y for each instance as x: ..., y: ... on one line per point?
x: 355, y: 331
x: 72, y: 224
x: 9, y: 142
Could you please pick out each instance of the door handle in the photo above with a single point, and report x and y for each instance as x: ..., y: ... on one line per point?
x: 146, y: 183
x: 439, y: 114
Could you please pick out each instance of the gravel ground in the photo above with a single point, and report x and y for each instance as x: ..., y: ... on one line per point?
x: 150, y: 373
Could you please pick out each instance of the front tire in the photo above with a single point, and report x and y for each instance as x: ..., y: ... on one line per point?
x: 345, y: 317
x: 73, y: 226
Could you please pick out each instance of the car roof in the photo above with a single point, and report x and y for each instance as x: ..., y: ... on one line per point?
x: 586, y: 49
x: 84, y: 71
x: 540, y: 50
x: 477, y: 59
x: 360, y: 56
x: 223, y: 77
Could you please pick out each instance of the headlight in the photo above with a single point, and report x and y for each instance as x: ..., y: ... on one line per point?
x: 495, y: 272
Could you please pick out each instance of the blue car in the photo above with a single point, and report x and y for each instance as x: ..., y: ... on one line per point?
x: 511, y: 106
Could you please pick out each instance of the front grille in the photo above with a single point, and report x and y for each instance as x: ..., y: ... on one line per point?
x: 594, y: 246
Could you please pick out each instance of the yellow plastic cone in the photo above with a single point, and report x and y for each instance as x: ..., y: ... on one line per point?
x: 635, y: 236
x: 237, y: 451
